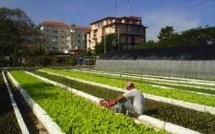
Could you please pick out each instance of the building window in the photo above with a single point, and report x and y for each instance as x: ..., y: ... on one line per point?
x: 139, y: 30
x: 126, y: 39
x: 62, y: 42
x: 79, y: 41
x: 47, y: 30
x: 100, y: 24
x: 61, y: 36
x: 62, y: 31
x: 55, y: 49
x: 54, y: 31
x: 134, y: 29
x: 79, y: 35
x: 54, y: 38
x: 55, y: 43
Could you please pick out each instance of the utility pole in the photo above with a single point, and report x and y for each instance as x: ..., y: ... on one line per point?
x: 118, y: 34
x: 104, y: 43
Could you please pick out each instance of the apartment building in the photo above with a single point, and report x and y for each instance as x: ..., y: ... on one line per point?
x: 76, y: 38
x: 128, y: 29
x: 54, y: 35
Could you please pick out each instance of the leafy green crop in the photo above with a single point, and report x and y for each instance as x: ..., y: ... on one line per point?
x: 75, y: 114
x: 199, y: 121
x: 170, y: 93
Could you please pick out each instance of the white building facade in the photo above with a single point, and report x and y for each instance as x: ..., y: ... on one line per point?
x: 54, y: 35
x: 76, y: 38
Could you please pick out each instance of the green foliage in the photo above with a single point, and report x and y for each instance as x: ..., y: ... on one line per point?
x: 109, y: 41
x: 192, y: 37
x: 148, y: 44
x: 199, y: 36
x: 47, y: 60
x: 75, y: 114
x: 168, y: 38
x: 164, y: 111
x: 90, y: 52
x: 166, y: 33
x: 72, y: 60
x: 38, y: 51
x: 16, y: 29
x: 169, y: 93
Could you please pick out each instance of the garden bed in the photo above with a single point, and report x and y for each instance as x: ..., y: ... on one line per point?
x: 199, y: 121
x: 177, y: 94
x: 75, y: 114
x: 207, y: 87
x: 8, y: 120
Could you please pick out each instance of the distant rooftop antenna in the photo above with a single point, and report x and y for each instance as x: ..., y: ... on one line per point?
x: 115, y: 8
x: 128, y: 8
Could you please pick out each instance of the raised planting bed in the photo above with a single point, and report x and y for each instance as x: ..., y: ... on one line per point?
x: 8, y: 122
x: 204, y: 84
x: 26, y: 114
x: 163, y: 83
x: 169, y: 93
x: 165, y: 78
x: 75, y: 114
x: 198, y: 121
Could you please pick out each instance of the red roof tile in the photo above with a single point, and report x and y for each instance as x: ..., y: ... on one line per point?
x: 54, y: 23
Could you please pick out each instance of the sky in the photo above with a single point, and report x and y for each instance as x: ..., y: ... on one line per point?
x: 156, y: 14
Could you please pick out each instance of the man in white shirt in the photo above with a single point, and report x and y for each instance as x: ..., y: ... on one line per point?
x: 131, y: 102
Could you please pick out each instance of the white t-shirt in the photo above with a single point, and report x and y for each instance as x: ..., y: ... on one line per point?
x: 136, y: 98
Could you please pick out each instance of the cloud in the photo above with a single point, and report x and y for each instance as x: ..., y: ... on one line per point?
x: 159, y: 19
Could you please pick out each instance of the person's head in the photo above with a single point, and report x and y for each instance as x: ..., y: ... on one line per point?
x: 129, y: 85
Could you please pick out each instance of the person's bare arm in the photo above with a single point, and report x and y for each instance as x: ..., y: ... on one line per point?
x: 120, y: 98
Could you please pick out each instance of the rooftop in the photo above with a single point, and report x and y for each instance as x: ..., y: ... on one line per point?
x: 120, y: 18
x: 54, y: 23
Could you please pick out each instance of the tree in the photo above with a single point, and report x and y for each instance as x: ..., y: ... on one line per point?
x: 199, y: 36
x: 193, y: 37
x: 89, y: 52
x: 16, y: 31
x: 147, y: 44
x: 16, y: 28
x: 108, y: 40
x: 165, y: 33
x: 73, y: 61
